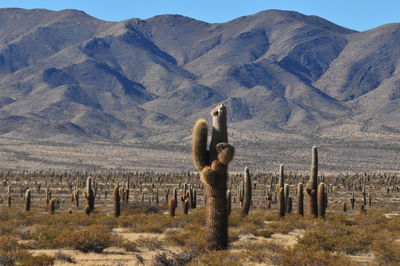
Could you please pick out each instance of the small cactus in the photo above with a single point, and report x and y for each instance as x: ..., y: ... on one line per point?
x: 300, y: 199
x: 312, y: 185
x: 117, y: 201
x: 53, y: 205
x: 89, y: 196
x: 321, y: 200
x: 281, y: 196
x: 171, y: 207
x: 28, y: 200
x: 247, y: 192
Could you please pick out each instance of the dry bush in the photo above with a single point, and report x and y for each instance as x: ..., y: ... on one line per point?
x: 151, y: 243
x: 173, y: 259
x: 129, y: 246
x: 63, y: 257
x: 218, y: 258
x: 94, y: 238
x: 305, y: 257
x: 386, y: 252
x: 39, y: 260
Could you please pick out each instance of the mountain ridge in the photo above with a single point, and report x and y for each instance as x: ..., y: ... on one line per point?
x: 67, y: 75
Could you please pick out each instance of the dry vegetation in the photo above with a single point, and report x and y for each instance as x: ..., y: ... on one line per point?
x: 145, y: 233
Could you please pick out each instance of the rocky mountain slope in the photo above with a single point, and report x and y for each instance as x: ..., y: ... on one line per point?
x: 68, y: 76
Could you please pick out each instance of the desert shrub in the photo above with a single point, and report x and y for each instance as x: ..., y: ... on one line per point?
x: 39, y: 260
x: 94, y: 238
x: 63, y: 257
x: 151, y: 243
x: 305, y: 257
x: 386, y: 252
x: 339, y: 238
x: 7, y: 243
x: 217, y: 258
x: 173, y: 259
x: 129, y: 246
x: 190, y: 238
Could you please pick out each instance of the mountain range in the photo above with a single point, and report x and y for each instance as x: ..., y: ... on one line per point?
x: 65, y: 75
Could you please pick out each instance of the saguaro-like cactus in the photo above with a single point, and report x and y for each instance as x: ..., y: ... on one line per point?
x: 247, y: 192
x: 53, y: 204
x: 89, y: 196
x: 171, y: 206
x: 212, y: 165
x: 282, y: 208
x: 9, y: 196
x: 28, y: 200
x: 117, y: 201
x: 321, y: 200
x: 300, y: 199
x: 312, y: 185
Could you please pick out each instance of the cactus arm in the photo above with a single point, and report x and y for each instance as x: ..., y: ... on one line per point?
x: 219, y: 132
x: 225, y: 152
x: 199, y: 144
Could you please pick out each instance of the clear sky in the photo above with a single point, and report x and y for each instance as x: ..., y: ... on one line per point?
x: 355, y: 14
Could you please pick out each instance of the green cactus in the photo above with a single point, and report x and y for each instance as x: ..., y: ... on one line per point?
x: 53, y: 204
x: 281, y: 196
x: 312, y: 185
x: 247, y: 192
x: 321, y: 197
x: 89, y: 196
x: 117, y: 201
x: 212, y: 166
x: 186, y: 206
x: 171, y: 207
x: 28, y: 200
x: 289, y: 204
x: 300, y: 199
x: 281, y: 177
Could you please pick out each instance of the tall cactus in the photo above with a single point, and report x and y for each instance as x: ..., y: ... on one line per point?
x: 171, y: 206
x: 89, y: 196
x: 282, y: 209
x: 300, y: 199
x: 213, y: 168
x: 321, y: 197
x: 247, y: 192
x: 312, y: 185
x: 28, y: 200
x: 117, y: 201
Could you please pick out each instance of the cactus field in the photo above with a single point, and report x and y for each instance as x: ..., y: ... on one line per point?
x: 207, y: 215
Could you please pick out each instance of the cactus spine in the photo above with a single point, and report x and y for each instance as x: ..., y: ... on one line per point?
x: 213, y: 166
x: 117, y: 201
x: 300, y: 199
x: 312, y: 185
x: 247, y: 192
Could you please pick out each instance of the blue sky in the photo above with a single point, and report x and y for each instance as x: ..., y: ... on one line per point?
x: 354, y: 14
